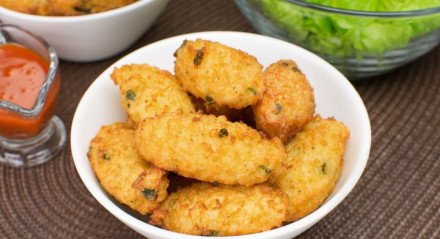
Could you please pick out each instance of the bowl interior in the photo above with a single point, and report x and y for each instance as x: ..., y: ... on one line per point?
x: 334, y: 95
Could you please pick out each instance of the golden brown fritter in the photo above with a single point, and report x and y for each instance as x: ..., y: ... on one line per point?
x: 147, y: 91
x: 209, y: 148
x: 314, y: 165
x: 203, y: 209
x: 219, y: 74
x: 123, y: 173
x: 39, y: 7
x: 287, y: 103
x: 63, y: 7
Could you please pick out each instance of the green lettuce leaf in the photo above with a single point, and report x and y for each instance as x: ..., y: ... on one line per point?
x: 345, y: 35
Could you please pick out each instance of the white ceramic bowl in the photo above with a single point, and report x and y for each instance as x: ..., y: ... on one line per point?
x: 335, y: 96
x: 90, y: 37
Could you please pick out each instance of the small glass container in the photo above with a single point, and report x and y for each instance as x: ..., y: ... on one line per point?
x: 31, y: 136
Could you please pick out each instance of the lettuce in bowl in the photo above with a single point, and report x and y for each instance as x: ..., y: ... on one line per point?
x: 343, y: 35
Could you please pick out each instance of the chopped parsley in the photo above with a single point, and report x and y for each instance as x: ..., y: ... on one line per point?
x: 223, y: 133
x: 106, y: 157
x: 293, y: 68
x: 278, y: 108
x: 324, y: 168
x: 213, y: 233
x: 296, y: 70
x: 82, y: 9
x: 183, y: 44
x: 130, y: 95
x: 210, y: 100
x: 150, y: 194
x: 199, y: 56
x: 252, y: 90
x: 267, y: 170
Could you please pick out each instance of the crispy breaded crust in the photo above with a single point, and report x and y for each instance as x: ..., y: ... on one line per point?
x: 287, y: 103
x: 209, y: 148
x: 123, y: 173
x: 147, y: 91
x: 219, y: 74
x: 27, y: 6
x: 203, y: 209
x: 63, y: 7
x: 314, y: 165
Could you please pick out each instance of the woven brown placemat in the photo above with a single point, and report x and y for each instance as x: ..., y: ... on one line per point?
x: 398, y: 195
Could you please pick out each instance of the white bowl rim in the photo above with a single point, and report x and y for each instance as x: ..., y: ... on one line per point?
x: 79, y: 18
x: 307, y: 221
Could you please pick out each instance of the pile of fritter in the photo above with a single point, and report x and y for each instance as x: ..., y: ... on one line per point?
x: 248, y: 141
x: 63, y: 7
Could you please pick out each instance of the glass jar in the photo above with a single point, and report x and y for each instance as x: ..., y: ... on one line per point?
x: 29, y: 135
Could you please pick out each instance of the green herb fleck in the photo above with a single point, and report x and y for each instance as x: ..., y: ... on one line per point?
x: 81, y: 9
x: 213, y: 233
x: 130, y: 95
x: 106, y: 157
x: 324, y: 168
x: 223, y: 132
x: 252, y: 90
x: 199, y: 56
x: 210, y: 100
x: 150, y: 194
x: 265, y: 169
x: 295, y: 69
x: 183, y: 44
x: 278, y: 108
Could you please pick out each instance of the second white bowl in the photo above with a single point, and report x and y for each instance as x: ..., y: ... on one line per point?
x: 90, y: 37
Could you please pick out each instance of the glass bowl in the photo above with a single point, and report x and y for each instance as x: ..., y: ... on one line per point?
x: 360, y: 44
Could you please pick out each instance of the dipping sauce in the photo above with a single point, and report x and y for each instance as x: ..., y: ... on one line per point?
x: 22, y: 74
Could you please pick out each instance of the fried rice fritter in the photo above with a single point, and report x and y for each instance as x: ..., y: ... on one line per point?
x: 287, y: 103
x: 219, y: 74
x: 63, y: 7
x: 147, y: 91
x: 204, y: 209
x: 123, y: 173
x: 314, y: 165
x: 209, y: 148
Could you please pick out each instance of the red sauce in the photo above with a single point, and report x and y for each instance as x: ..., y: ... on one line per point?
x: 22, y: 73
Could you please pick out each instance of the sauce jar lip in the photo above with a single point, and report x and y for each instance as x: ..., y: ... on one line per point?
x: 50, y: 77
